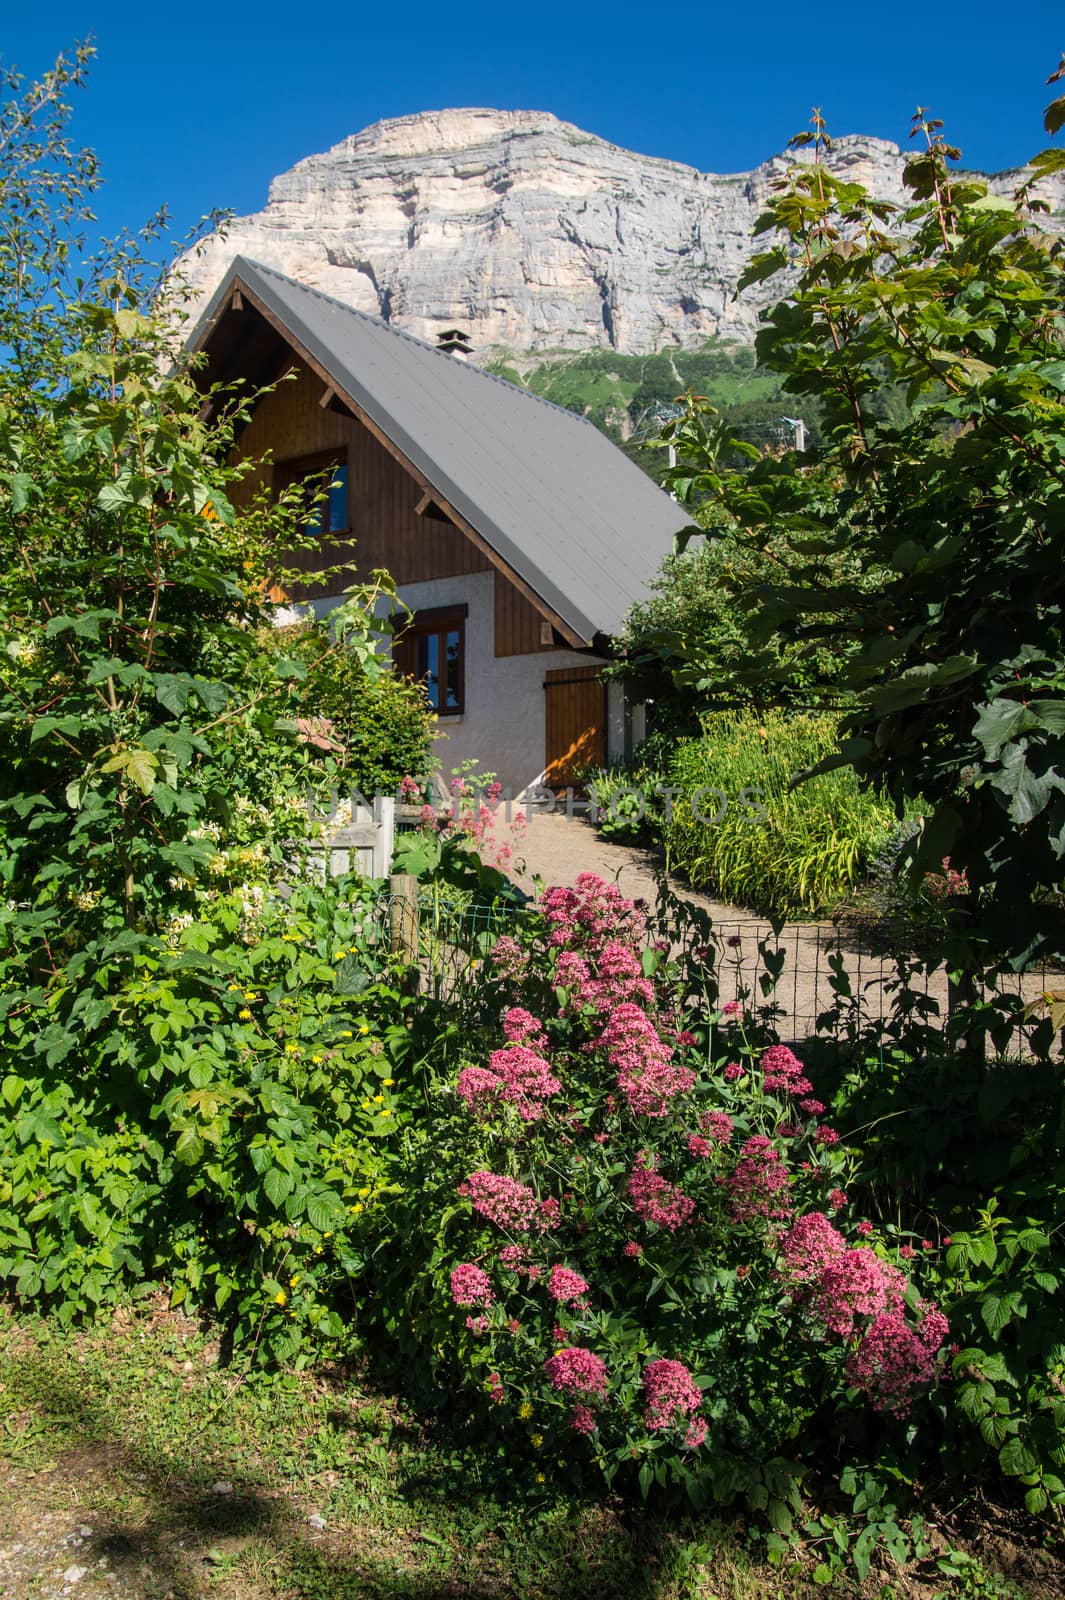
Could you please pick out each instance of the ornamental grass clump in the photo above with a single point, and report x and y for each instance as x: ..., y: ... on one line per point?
x: 658, y: 1268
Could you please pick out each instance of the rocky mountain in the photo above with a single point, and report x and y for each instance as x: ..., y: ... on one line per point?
x: 528, y: 233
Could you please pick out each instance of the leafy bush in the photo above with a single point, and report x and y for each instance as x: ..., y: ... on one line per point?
x: 765, y: 844
x: 380, y: 722
x: 210, y: 1116
x: 628, y: 805
x: 616, y: 1234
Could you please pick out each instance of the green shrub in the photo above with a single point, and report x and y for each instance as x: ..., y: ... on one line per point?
x: 778, y: 849
x: 216, y: 1122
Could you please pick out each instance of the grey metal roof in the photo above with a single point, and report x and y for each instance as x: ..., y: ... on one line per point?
x: 562, y: 506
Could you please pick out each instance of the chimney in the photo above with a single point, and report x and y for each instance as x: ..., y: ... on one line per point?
x: 455, y: 343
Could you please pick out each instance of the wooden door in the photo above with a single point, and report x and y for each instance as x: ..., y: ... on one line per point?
x: 575, y: 705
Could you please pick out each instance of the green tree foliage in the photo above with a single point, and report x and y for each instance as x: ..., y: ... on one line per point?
x: 186, y: 1055
x: 955, y: 661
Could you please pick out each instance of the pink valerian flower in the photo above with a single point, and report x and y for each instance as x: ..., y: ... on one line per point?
x: 409, y: 788
x: 864, y: 1229
x: 734, y: 1072
x: 696, y: 1433
x: 479, y: 1324
x: 516, y: 1257
x: 731, y: 1009
x: 698, y: 1146
x: 808, y: 1247
x: 907, y: 1252
x: 550, y: 1215
x: 717, y: 1125
x: 504, y: 1201
x: 782, y: 1070
x: 521, y: 1027
x: 826, y: 1135
x: 648, y: 1076
x: 760, y: 1182
x: 893, y: 1358
x: 585, y: 917
x: 583, y: 1419
x: 471, y: 1286
x: 567, y: 1287
x: 632, y: 1249
x: 494, y: 1385
x: 855, y: 1284
x: 577, y: 1371
x: 657, y: 1201
x: 813, y: 1108
x: 670, y: 1394
x: 837, y: 1199
x: 516, y: 1075
x: 508, y: 958
x: 601, y: 982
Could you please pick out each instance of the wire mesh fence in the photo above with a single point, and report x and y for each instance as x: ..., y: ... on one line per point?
x: 815, y: 978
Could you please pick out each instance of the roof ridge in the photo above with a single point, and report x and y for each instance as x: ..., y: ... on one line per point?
x: 412, y: 338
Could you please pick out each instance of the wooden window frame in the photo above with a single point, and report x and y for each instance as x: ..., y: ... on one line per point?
x: 439, y: 620
x: 296, y: 469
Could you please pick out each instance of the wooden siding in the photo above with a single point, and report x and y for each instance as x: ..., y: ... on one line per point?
x: 518, y: 624
x: 382, y: 496
x: 575, y: 724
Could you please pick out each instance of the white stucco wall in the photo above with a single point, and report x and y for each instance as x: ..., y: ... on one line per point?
x: 502, y: 727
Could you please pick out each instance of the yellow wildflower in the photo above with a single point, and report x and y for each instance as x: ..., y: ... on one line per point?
x: 525, y: 1411
x: 388, y: 1082
x: 357, y: 1207
x: 280, y: 1297
x: 377, y: 1099
x: 346, y: 1034
x: 540, y: 1478
x: 536, y: 1440
x: 364, y: 1027
x: 292, y: 1049
x: 317, y: 1060
x: 292, y: 1282
x: 244, y: 1014
x: 385, y: 1111
x: 363, y: 1193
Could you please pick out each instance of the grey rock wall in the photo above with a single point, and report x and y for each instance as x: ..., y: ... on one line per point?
x: 527, y: 232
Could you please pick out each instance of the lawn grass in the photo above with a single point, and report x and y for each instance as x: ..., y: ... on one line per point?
x: 133, y: 1456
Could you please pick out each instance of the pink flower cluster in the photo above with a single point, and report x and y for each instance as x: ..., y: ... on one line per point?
x: 516, y: 1075
x: 855, y: 1284
x: 809, y: 1246
x: 759, y: 1183
x: 648, y: 1076
x: 717, y: 1125
x: 508, y: 958
x: 782, y: 1070
x: 588, y: 915
x: 670, y: 1394
x: 618, y: 976
x: 521, y: 1027
x: 583, y: 1419
x: 506, y: 1202
x: 894, y: 1358
x: 470, y: 1286
x: 657, y: 1201
x: 841, y: 1285
x: 566, y: 1286
x: 577, y: 1371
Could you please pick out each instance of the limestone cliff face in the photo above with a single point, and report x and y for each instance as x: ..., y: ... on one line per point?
x: 528, y: 233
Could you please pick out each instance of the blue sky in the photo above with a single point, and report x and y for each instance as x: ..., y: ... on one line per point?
x: 198, y: 106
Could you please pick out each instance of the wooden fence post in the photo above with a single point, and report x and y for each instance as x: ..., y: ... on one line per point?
x: 403, y: 915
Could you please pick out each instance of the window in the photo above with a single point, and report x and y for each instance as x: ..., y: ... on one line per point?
x: 432, y: 649
x: 327, y: 492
